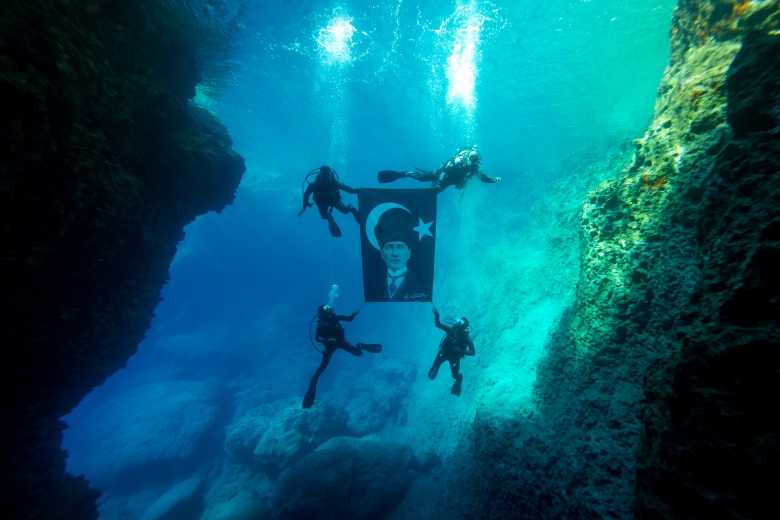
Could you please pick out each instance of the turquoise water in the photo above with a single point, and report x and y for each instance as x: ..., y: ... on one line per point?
x: 550, y: 92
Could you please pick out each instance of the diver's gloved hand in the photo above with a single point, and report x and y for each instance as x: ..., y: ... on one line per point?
x: 435, y: 311
x: 496, y: 179
x: 356, y: 313
x: 301, y: 212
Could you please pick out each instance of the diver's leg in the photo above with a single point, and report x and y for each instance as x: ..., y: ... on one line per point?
x: 324, y: 210
x: 308, y: 399
x: 346, y: 345
x: 327, y: 353
x: 332, y: 226
x: 455, y: 369
x: 355, y: 213
x: 456, y: 386
x: 348, y: 209
x: 435, y: 367
x: 422, y: 176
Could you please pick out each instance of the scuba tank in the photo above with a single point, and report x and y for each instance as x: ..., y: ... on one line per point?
x: 315, y: 172
x: 450, y: 340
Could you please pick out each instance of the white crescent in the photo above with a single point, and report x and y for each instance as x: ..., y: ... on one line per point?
x: 374, y: 216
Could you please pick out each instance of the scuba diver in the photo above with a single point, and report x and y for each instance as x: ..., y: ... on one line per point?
x: 326, y: 188
x: 331, y: 334
x: 456, y: 171
x: 453, y: 346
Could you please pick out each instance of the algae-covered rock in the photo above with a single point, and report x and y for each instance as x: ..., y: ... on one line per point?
x: 709, y: 433
x: 655, y: 398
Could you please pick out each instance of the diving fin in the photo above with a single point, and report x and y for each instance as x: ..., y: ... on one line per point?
x: 455, y: 390
x: 386, y: 176
x: 334, y: 228
x: 374, y: 348
x: 311, y: 393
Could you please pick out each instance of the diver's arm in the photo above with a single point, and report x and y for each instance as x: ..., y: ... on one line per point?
x: 469, y: 347
x: 438, y: 322
x: 487, y: 179
x: 309, y: 191
x: 342, y: 317
x: 346, y: 188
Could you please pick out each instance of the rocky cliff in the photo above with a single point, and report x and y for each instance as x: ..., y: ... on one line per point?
x: 103, y: 162
x: 657, y: 397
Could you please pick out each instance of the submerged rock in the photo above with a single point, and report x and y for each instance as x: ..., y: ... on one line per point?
x: 275, y: 435
x: 345, y: 479
x: 148, y: 429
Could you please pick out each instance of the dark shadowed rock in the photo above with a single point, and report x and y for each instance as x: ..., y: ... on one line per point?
x: 102, y: 166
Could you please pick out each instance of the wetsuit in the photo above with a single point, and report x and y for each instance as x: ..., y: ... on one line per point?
x: 452, y: 348
x: 327, y: 197
x: 452, y: 173
x: 329, y: 329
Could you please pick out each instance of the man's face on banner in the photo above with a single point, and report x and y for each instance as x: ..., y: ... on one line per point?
x: 395, y: 255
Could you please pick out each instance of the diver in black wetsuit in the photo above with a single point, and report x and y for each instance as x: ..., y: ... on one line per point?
x: 456, y: 171
x: 331, y: 334
x: 452, y: 348
x: 327, y: 196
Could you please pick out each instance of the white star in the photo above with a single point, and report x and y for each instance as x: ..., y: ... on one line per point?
x: 423, y: 229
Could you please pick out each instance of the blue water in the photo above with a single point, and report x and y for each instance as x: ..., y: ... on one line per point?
x: 545, y: 89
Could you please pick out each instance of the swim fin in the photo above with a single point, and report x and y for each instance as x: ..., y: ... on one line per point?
x: 334, y: 228
x: 386, y: 176
x: 308, y: 399
x: 374, y: 348
x: 455, y: 390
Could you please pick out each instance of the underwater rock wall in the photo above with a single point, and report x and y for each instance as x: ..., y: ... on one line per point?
x: 656, y: 399
x: 710, y: 432
x: 103, y: 163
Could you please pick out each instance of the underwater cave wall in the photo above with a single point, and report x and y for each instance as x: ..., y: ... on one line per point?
x: 103, y: 162
x: 657, y: 397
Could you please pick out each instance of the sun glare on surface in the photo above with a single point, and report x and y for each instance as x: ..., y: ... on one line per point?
x: 462, y: 62
x: 335, y: 40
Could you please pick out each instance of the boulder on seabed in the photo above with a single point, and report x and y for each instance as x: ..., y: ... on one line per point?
x: 345, y: 479
x: 275, y: 435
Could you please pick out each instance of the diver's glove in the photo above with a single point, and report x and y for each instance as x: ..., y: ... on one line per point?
x: 301, y: 212
x: 435, y: 311
x: 356, y: 313
x: 496, y: 179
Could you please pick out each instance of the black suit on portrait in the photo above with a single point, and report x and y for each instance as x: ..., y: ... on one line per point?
x: 412, y: 289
